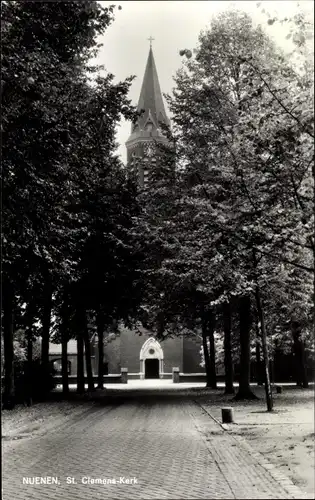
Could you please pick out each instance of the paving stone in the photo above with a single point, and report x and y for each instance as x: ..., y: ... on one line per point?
x: 173, y: 449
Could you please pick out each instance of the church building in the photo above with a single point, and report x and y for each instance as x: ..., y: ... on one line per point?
x: 143, y: 355
x: 139, y: 351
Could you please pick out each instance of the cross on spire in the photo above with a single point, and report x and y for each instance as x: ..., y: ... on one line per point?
x: 151, y: 40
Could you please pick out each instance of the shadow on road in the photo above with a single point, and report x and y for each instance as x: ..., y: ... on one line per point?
x: 145, y: 395
x: 163, y: 392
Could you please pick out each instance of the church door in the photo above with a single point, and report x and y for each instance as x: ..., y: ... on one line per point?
x: 152, y: 368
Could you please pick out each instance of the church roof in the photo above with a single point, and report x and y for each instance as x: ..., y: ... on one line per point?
x: 150, y: 101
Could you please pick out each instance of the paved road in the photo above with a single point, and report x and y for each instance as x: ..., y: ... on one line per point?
x: 162, y: 443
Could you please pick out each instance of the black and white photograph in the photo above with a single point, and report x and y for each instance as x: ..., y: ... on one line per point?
x: 158, y: 250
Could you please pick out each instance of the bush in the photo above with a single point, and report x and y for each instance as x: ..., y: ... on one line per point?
x: 37, y: 385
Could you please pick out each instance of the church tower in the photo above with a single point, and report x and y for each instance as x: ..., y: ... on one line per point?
x: 146, y: 132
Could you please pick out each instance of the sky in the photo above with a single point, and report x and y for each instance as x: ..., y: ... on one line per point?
x: 174, y: 25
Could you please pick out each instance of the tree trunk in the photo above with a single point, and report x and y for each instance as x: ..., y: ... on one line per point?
x: 8, y: 402
x: 64, y: 342
x: 259, y: 367
x: 304, y: 366
x: 29, y: 370
x: 244, y: 391
x: 299, y: 355
x: 206, y: 353
x: 100, y: 334
x: 87, y: 346
x: 46, y: 321
x: 64, y: 366
x: 261, y: 317
x: 80, y: 352
x: 228, y: 361
x: 211, y: 327
x: 258, y: 364
x: 29, y: 350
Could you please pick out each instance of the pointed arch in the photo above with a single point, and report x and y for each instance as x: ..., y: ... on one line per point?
x: 151, y: 349
x: 149, y: 120
x: 151, y: 344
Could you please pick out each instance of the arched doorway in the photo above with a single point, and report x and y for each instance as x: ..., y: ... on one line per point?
x: 151, y: 359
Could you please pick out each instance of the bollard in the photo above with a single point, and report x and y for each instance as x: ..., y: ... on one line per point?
x: 124, y: 376
x: 279, y: 389
x: 227, y: 415
x: 175, y: 375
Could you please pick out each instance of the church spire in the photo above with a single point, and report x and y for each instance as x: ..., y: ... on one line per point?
x: 147, y: 127
x: 151, y: 100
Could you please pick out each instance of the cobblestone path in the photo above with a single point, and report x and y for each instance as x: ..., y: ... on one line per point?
x: 164, y: 444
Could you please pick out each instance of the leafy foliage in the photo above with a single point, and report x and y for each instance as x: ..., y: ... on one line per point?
x: 69, y: 204
x: 243, y: 129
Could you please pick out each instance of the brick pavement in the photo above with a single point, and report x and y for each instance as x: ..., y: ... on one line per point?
x: 166, y: 441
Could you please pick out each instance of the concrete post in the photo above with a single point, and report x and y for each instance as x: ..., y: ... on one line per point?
x: 227, y: 415
x: 124, y: 375
x: 175, y: 375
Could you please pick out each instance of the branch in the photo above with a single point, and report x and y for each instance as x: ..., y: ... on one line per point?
x: 272, y: 92
x: 296, y: 193
x: 235, y: 166
x: 262, y: 252
x: 286, y: 261
x: 306, y: 169
x: 303, y: 245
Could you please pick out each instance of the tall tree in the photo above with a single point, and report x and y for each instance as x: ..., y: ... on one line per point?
x: 230, y: 108
x: 58, y: 130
